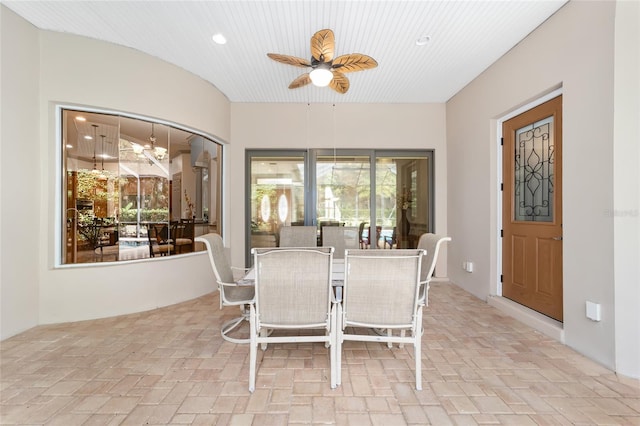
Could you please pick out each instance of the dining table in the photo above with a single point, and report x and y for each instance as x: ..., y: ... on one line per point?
x: 337, y: 278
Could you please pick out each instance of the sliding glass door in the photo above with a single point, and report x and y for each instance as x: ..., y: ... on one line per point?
x: 404, y: 202
x: 342, y: 190
x: 387, y: 195
x: 276, y: 195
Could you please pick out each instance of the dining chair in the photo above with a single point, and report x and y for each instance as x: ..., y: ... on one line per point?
x: 391, y: 240
x: 108, y: 244
x: 159, y: 241
x: 341, y: 238
x: 381, y: 291
x: 184, y: 234
x: 298, y: 236
x: 294, y: 299
x: 232, y: 292
x: 364, y: 241
x: 431, y: 243
x: 324, y: 224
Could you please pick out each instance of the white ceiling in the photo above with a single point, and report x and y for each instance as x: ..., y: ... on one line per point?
x: 465, y: 38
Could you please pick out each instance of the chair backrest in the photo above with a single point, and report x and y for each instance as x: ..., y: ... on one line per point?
x: 431, y: 243
x: 187, y: 227
x: 381, y: 287
x: 293, y: 287
x: 158, y: 233
x: 361, y: 229
x: 325, y: 223
x: 341, y: 238
x: 298, y: 236
x: 215, y: 250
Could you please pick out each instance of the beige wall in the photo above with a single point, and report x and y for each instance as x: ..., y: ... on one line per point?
x: 574, y: 50
x: 364, y: 126
x: 626, y: 192
x: 41, y: 68
x: 19, y: 212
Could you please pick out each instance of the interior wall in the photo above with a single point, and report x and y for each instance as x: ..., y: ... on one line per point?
x: 19, y: 174
x: 626, y: 194
x: 45, y: 68
x: 573, y: 49
x: 358, y: 126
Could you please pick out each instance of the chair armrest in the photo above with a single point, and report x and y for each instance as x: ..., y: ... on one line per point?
x: 422, y: 292
x: 239, y: 272
x: 238, y: 283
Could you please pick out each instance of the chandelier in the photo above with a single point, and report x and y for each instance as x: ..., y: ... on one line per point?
x: 149, y: 150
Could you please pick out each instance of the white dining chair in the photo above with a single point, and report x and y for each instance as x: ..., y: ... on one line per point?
x: 341, y: 238
x: 381, y: 291
x: 294, y: 299
x: 232, y: 293
x: 431, y: 244
x: 298, y: 236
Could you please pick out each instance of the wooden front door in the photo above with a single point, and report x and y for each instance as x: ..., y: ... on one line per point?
x: 532, y: 209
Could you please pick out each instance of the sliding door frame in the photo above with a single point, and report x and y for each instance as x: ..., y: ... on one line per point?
x: 310, y: 194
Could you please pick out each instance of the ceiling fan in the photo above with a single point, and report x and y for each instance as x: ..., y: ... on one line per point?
x: 326, y: 71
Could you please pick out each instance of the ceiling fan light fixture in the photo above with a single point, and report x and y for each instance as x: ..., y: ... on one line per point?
x: 321, y: 76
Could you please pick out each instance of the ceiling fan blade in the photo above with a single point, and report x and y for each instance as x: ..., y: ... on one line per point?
x: 302, y: 80
x: 289, y: 60
x: 323, y: 45
x: 339, y: 83
x: 353, y: 62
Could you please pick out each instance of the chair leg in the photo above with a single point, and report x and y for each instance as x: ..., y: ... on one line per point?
x: 338, y: 345
x: 417, y: 343
x: 231, y: 325
x: 253, y: 350
x: 332, y: 348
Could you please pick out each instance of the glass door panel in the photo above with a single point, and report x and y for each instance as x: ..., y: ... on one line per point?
x: 533, y: 172
x: 343, y: 193
x: 277, y: 197
x: 403, y: 187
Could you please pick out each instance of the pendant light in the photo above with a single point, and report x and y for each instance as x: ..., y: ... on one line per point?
x: 95, y: 133
x: 102, y: 174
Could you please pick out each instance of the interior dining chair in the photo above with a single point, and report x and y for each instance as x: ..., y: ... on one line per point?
x: 381, y: 291
x: 431, y: 243
x: 341, y: 238
x: 159, y: 241
x: 184, y: 232
x: 298, y: 236
x: 294, y: 299
x: 232, y: 292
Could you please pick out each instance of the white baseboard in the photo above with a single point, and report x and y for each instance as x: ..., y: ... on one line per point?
x: 533, y: 319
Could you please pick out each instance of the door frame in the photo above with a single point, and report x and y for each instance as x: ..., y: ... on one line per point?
x: 500, y: 178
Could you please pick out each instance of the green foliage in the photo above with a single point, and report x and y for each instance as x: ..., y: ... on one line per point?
x: 128, y: 214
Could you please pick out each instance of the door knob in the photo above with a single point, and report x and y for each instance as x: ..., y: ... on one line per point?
x: 558, y: 238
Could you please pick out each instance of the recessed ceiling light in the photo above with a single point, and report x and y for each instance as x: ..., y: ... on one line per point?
x: 69, y: 145
x: 219, y: 39
x: 423, y: 40
x: 87, y: 137
x: 81, y: 118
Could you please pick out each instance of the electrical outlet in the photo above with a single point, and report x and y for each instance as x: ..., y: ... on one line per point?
x: 593, y: 311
